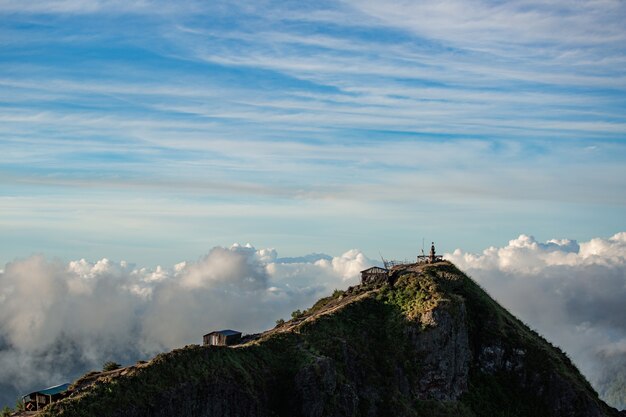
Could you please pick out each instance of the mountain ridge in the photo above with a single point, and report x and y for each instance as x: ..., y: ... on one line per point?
x: 427, y: 340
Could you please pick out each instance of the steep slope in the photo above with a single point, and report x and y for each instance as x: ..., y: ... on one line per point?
x: 431, y: 344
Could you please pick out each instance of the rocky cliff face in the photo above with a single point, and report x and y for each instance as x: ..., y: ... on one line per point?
x: 431, y: 344
x: 442, y: 346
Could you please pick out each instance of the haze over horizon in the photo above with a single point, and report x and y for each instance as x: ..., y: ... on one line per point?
x: 154, y: 133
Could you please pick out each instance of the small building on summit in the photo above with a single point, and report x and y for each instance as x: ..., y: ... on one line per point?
x: 222, y: 338
x: 374, y: 274
x: 392, y: 269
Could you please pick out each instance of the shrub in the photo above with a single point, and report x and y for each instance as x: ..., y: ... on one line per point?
x: 19, y: 405
x: 111, y: 366
x: 280, y: 322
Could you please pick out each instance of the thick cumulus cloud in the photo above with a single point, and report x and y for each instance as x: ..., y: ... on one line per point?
x: 60, y: 320
x: 573, y: 293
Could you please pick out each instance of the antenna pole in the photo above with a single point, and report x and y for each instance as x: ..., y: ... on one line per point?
x: 384, y: 262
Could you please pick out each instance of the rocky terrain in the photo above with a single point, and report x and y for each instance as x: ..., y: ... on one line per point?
x: 427, y: 341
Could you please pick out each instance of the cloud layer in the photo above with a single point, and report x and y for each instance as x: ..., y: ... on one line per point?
x: 59, y: 320
x: 572, y: 293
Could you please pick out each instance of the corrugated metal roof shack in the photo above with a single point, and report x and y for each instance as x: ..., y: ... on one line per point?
x: 38, y: 399
x: 374, y: 274
x: 222, y: 338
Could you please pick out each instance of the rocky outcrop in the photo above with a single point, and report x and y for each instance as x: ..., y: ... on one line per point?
x: 442, y: 349
x: 496, y: 358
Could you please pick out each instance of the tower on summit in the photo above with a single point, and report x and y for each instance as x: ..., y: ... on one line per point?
x: 431, y: 258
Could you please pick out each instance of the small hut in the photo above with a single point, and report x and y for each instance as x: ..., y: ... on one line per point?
x: 374, y: 274
x: 222, y: 338
x: 38, y: 399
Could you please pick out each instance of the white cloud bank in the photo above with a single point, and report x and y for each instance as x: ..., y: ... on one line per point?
x: 60, y: 320
x: 572, y: 293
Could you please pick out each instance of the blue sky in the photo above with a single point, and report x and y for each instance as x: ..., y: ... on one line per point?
x: 152, y: 131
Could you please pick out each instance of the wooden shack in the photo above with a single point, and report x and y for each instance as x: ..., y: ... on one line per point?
x: 374, y: 274
x: 38, y: 399
x: 222, y: 338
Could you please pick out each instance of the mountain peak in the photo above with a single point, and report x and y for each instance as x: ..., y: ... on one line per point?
x: 421, y: 339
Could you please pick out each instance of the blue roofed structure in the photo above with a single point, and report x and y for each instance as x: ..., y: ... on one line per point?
x: 228, y: 332
x: 222, y: 338
x: 38, y: 399
x: 57, y: 389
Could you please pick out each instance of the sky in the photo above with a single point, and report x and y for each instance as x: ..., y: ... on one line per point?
x: 152, y: 131
x: 140, y: 140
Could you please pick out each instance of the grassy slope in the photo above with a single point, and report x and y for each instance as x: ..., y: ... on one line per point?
x: 362, y: 331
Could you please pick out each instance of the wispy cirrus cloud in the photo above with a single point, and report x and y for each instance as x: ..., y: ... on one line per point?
x: 503, y: 27
x: 62, y: 7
